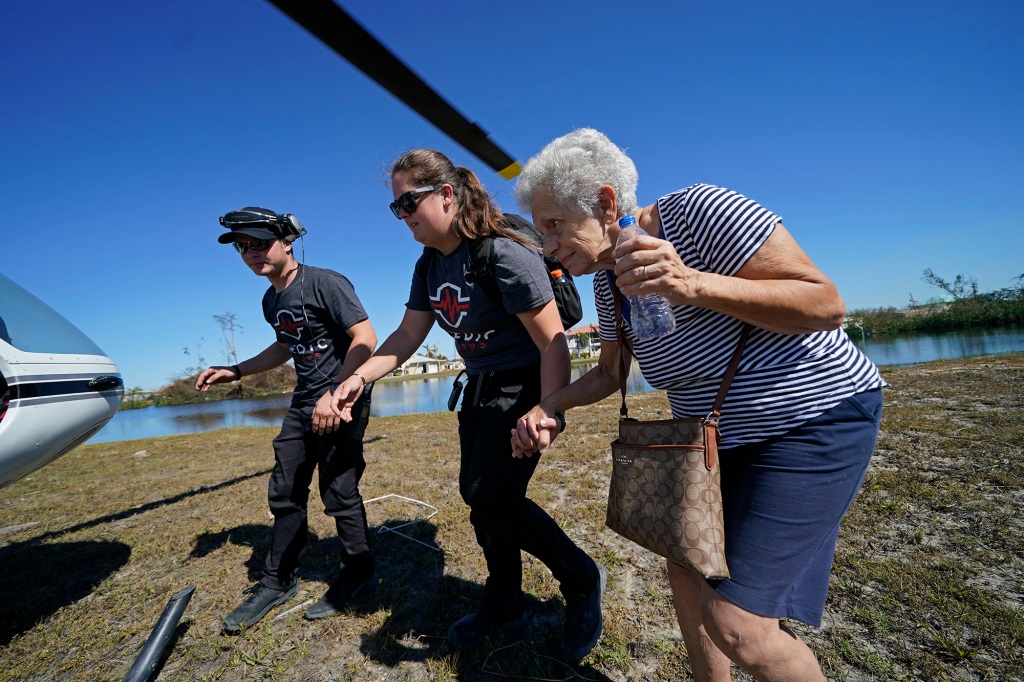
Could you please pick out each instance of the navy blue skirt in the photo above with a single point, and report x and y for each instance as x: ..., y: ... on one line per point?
x: 784, y: 499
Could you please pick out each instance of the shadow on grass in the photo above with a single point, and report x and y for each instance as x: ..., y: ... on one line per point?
x: 256, y: 536
x: 40, y: 578
x: 416, y: 632
x: 318, y: 561
x: 149, y: 506
x: 422, y: 602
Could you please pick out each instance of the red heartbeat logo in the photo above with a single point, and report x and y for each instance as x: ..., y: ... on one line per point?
x: 450, y: 304
x: 289, y: 325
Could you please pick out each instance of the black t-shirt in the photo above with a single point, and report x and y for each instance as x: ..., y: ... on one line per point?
x: 311, y: 315
x: 487, y: 335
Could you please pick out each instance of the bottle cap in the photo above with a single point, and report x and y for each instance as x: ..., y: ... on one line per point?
x: 627, y: 220
x: 556, y: 274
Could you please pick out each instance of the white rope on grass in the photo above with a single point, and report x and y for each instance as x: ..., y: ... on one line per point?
x: 294, y: 609
x: 394, y: 529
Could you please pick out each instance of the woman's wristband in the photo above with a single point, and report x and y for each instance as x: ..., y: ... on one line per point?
x: 361, y: 378
x: 237, y: 371
x: 560, y: 416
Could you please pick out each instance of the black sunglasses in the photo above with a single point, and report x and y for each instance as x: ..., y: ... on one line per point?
x: 254, y: 244
x: 407, y: 202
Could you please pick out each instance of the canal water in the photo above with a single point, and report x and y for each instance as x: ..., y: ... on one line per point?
x: 430, y: 394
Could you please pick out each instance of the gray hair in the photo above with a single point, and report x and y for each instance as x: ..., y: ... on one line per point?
x: 574, y: 167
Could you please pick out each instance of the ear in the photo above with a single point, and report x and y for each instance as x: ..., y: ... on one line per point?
x: 607, y: 204
x: 447, y: 195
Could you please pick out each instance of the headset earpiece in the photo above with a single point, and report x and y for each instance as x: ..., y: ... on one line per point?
x: 292, y: 227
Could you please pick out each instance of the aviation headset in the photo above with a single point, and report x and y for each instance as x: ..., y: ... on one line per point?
x: 285, y: 223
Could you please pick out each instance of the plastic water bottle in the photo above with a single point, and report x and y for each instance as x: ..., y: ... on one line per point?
x: 650, y: 315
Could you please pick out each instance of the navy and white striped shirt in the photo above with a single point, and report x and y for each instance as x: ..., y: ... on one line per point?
x: 783, y: 379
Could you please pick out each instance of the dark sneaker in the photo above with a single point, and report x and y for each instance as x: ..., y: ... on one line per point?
x: 341, y: 595
x: 470, y: 632
x: 583, y: 620
x: 261, y: 599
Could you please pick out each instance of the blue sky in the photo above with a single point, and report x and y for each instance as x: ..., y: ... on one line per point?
x: 888, y: 136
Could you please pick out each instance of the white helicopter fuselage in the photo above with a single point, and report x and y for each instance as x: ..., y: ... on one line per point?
x: 57, y: 387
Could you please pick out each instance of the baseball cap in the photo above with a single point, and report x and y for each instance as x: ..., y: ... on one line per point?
x: 251, y: 221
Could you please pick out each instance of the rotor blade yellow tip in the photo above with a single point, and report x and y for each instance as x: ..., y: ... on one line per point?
x: 511, y: 171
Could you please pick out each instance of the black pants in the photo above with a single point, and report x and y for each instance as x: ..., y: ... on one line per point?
x: 493, y: 484
x: 339, y: 457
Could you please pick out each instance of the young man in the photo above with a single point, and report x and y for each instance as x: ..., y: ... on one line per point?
x: 321, y: 325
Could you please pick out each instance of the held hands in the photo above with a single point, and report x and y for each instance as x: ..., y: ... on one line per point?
x: 335, y: 406
x: 346, y: 395
x: 214, y: 375
x: 534, y: 432
x: 326, y: 415
x: 647, y: 265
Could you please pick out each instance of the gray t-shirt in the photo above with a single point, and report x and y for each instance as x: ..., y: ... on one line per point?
x: 487, y: 335
x: 311, y: 316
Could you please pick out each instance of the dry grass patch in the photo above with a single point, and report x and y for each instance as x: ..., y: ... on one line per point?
x: 927, y: 579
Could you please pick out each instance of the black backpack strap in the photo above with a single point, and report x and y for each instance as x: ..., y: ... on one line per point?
x: 567, y: 298
x: 517, y: 223
x: 481, y: 271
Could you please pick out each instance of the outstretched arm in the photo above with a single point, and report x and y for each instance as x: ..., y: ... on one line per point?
x: 395, y: 350
x: 274, y: 355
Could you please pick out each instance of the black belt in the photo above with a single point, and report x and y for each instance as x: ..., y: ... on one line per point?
x: 500, y: 377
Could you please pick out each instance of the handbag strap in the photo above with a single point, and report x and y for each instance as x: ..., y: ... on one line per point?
x: 626, y: 358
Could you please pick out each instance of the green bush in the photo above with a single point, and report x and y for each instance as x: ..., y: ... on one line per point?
x: 976, y: 311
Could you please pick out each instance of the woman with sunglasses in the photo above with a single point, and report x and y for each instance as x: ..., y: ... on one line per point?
x: 515, y: 354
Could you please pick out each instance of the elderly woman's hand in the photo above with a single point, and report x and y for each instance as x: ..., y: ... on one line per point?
x: 778, y: 289
x: 648, y: 265
x: 534, y: 432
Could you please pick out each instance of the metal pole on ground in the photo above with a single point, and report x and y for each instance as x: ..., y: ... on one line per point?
x: 154, y: 646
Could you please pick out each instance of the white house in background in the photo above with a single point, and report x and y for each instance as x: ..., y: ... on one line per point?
x: 584, y: 342
x: 420, y: 364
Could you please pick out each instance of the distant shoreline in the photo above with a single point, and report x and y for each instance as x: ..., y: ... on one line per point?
x: 229, y: 391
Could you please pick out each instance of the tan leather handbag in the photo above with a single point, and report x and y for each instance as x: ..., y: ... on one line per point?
x: 665, y: 492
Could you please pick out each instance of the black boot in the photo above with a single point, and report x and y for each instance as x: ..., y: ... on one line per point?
x: 342, y: 594
x: 470, y: 632
x: 583, y: 620
x: 261, y: 599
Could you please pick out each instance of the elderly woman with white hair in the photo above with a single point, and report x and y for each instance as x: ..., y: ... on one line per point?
x: 800, y: 421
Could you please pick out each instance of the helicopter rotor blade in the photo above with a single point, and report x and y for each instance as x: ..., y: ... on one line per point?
x: 333, y: 26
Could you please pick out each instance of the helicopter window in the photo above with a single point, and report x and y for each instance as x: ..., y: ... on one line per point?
x: 30, y: 325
